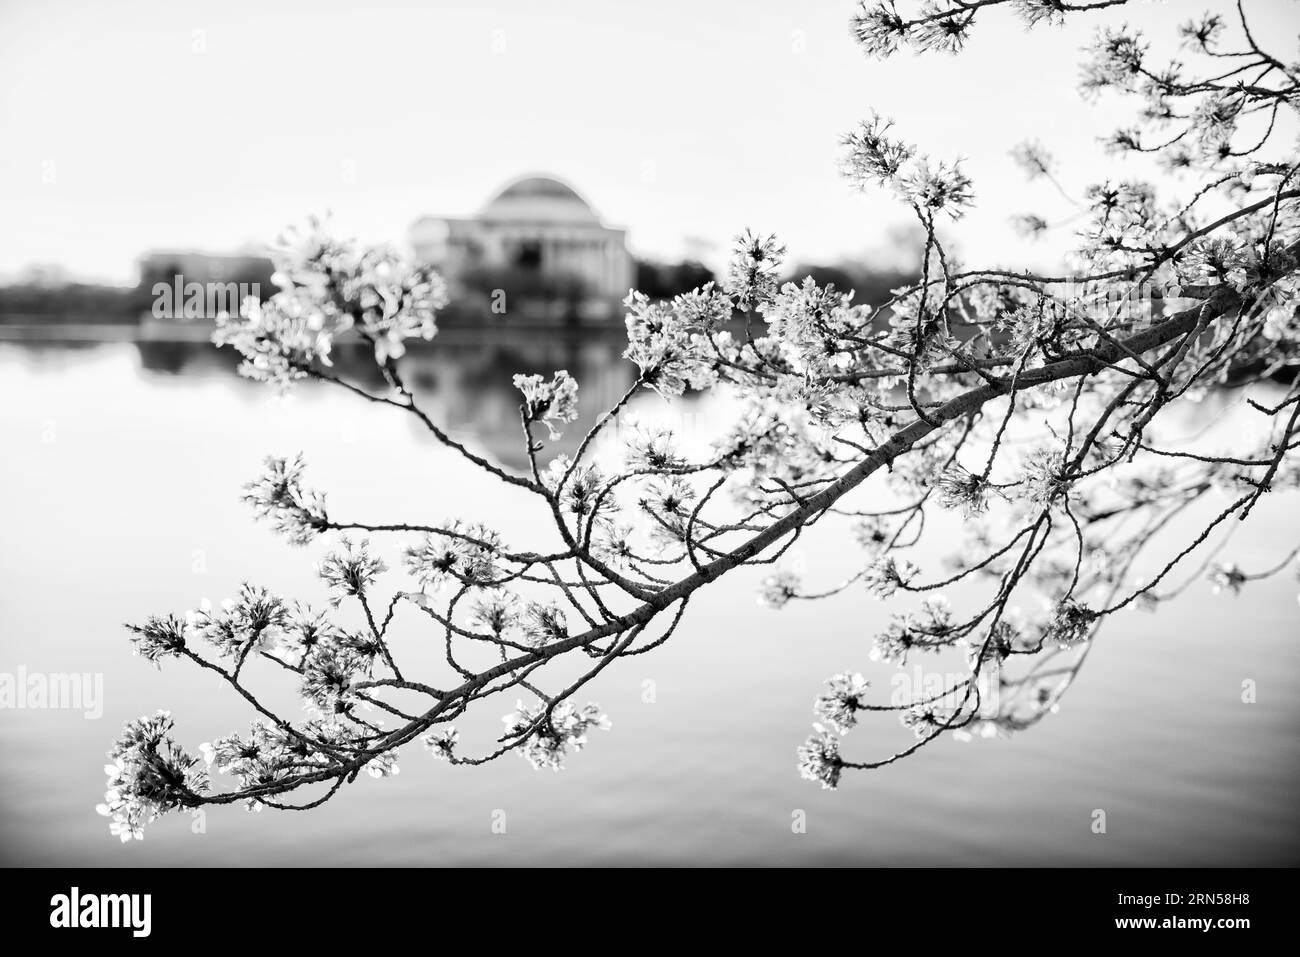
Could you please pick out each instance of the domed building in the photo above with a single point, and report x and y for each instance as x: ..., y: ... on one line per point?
x: 536, y: 226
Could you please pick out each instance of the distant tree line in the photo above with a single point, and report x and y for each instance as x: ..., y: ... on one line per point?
x: 870, y: 286
x: 71, y: 302
x: 487, y: 292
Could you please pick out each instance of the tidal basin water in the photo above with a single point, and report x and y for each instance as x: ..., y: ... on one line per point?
x: 119, y: 491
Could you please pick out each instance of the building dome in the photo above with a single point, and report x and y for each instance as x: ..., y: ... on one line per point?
x: 536, y: 199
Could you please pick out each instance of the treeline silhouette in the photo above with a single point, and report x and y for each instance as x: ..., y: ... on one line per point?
x: 524, y: 295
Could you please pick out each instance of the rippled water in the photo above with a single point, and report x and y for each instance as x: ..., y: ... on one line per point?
x: 119, y: 494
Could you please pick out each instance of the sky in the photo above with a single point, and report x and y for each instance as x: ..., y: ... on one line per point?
x: 131, y: 126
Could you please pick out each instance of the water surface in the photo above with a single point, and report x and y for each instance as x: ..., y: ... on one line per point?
x: 119, y: 495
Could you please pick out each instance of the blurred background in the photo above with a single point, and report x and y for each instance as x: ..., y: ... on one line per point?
x: 560, y: 154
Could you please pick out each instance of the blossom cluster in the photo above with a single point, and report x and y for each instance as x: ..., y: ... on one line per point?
x: 926, y: 630
x: 819, y: 758
x: 255, y: 620
x: 549, y: 402
x: 149, y: 775
x: 844, y: 698
x: 349, y: 571
x: 546, y: 740
x: 873, y: 156
x: 332, y: 669
x: 330, y: 288
x: 466, y: 553
x: 270, y: 753
x: 667, y: 340
x: 278, y: 496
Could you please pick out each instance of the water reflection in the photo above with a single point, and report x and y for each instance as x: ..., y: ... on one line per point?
x: 467, y: 377
x: 121, y: 476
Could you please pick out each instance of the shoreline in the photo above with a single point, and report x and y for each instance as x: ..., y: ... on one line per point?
x: 101, y: 332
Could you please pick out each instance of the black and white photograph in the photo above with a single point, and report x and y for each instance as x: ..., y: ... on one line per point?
x: 564, y: 434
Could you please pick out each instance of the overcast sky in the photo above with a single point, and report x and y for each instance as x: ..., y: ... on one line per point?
x: 210, y: 125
